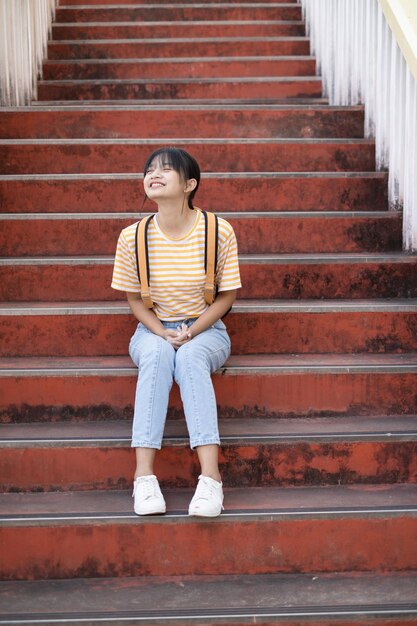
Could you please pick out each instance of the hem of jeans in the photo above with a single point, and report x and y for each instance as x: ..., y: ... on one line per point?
x: 146, y: 444
x: 204, y: 442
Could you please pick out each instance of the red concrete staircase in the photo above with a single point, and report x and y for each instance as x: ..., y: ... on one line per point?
x: 318, y: 402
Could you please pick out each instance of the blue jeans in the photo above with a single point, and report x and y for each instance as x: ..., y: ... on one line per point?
x: 191, y: 366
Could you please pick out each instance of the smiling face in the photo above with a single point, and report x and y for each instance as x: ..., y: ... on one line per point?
x: 171, y: 174
x: 162, y: 181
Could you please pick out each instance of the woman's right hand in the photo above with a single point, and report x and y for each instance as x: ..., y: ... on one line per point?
x: 177, y: 338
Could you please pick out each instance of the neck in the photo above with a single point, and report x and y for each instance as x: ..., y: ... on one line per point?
x: 175, y: 220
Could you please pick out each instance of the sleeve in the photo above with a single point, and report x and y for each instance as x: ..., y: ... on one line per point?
x: 228, y: 275
x: 125, y: 276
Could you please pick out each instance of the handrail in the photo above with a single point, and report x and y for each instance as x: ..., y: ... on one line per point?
x: 24, y: 29
x: 366, y: 52
x: 401, y: 16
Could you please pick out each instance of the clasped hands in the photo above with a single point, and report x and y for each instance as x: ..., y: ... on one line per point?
x: 179, y: 336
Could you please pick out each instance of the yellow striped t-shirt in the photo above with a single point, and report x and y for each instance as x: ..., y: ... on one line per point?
x: 177, y: 275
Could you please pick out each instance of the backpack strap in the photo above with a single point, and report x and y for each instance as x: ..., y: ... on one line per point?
x: 142, y: 260
x: 210, y: 254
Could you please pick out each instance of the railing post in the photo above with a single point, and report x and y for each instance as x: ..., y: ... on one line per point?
x: 366, y: 52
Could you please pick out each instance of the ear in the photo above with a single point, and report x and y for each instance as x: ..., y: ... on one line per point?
x: 190, y: 185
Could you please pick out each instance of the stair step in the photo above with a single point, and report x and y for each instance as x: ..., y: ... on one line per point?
x: 263, y: 327
x: 180, y: 12
x: 232, y: 87
x: 236, y: 191
x: 294, y: 530
x: 180, y: 68
x: 179, y: 102
x: 166, y: 29
x: 115, y: 3
x: 178, y: 47
x: 266, y: 232
x: 45, y: 389
x: 97, y: 455
x: 324, y: 599
x: 127, y: 155
x: 158, y: 121
x: 355, y: 276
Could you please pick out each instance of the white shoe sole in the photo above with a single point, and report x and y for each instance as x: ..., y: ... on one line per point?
x: 201, y: 514
x: 155, y: 511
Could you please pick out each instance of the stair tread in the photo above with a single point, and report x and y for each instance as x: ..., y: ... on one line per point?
x: 163, y: 60
x: 269, y: 103
x: 240, y: 306
x: 278, y: 259
x: 158, y: 40
x: 191, y: 141
x: 82, y: 106
x: 332, y: 215
x: 113, y: 505
x: 215, y: 175
x: 182, y: 23
x: 181, y: 81
x: 243, y: 430
x: 247, y: 595
x: 284, y: 363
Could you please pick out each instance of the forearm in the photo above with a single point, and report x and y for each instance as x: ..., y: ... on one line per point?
x: 215, y: 311
x: 146, y: 316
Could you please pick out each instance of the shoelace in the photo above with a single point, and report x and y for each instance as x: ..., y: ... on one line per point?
x: 205, y: 490
x: 148, y: 486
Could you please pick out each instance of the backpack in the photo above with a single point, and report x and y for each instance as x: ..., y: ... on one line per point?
x: 210, y: 257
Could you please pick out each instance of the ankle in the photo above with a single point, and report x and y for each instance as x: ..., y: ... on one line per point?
x: 214, y: 475
x: 142, y: 474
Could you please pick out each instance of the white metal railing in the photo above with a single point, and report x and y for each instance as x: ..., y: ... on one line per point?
x: 24, y: 28
x: 366, y: 53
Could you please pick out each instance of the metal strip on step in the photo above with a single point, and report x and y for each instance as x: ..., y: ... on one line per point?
x: 228, y: 215
x: 208, y: 175
x: 244, y: 259
x: 270, y: 514
x: 207, y: 141
x: 385, y: 610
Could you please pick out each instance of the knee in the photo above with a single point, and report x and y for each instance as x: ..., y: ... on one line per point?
x: 189, y: 361
x: 151, y: 348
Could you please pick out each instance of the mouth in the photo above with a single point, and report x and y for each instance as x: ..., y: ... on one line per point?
x: 156, y: 184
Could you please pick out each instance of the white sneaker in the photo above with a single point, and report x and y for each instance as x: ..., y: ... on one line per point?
x: 208, y: 498
x: 148, y: 497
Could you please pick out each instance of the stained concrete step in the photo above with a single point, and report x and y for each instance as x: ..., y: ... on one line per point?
x: 165, y: 29
x: 179, y: 102
x: 285, y: 276
x: 293, y: 530
x: 254, y: 453
x: 174, y: 120
x: 233, y: 191
x: 266, y: 232
x: 58, y: 156
x: 115, y: 3
x: 194, y: 67
x: 142, y: 88
x: 270, y: 386
x: 180, y: 12
x: 322, y: 599
x: 177, y: 47
x: 256, y: 327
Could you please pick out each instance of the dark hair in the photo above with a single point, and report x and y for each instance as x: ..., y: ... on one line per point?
x: 181, y: 162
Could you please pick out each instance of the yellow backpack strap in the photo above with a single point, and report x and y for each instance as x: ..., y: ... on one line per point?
x: 210, y: 255
x: 142, y: 260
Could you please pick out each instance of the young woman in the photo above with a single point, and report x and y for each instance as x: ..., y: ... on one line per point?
x: 182, y: 338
